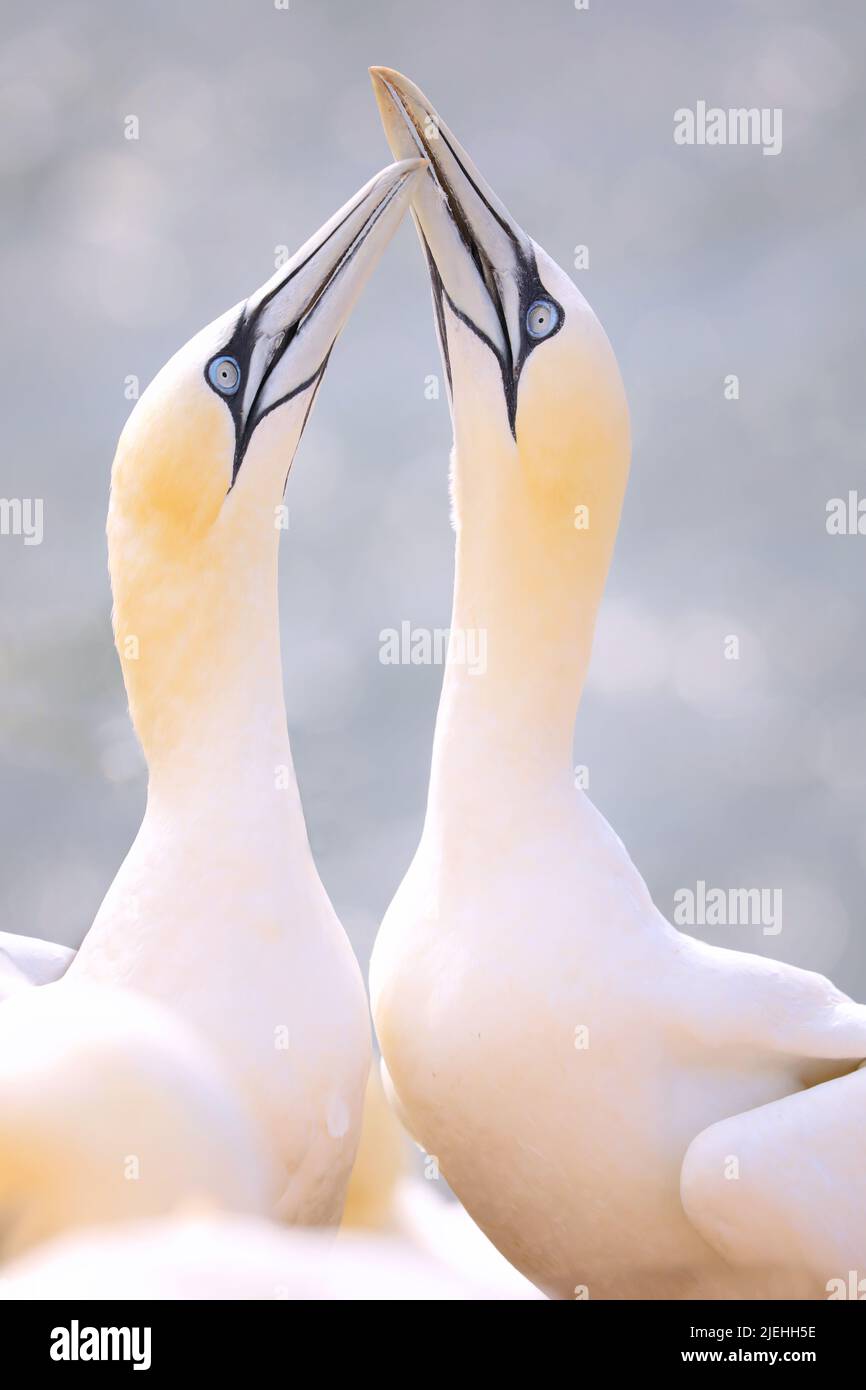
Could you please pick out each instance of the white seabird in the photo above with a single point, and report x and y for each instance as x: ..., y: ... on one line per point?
x: 218, y: 910
x: 548, y: 1035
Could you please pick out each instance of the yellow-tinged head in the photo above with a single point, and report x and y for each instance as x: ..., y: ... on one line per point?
x: 202, y: 462
x: 539, y: 410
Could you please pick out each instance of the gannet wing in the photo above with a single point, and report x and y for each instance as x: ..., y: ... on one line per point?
x: 734, y: 999
x: 27, y: 960
x: 785, y: 1186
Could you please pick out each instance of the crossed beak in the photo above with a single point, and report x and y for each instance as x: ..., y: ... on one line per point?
x: 286, y: 330
x: 481, y: 263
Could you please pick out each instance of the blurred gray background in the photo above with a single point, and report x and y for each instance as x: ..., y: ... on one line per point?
x: 255, y: 124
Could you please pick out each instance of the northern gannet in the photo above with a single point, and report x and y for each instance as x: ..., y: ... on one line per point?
x: 548, y: 1035
x: 218, y: 909
x: 112, y: 1109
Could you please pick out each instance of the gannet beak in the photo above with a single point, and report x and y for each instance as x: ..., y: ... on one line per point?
x: 286, y: 330
x: 482, y: 264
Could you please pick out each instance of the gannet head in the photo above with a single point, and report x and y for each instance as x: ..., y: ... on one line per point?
x: 229, y: 408
x: 202, y: 461
x: 535, y: 391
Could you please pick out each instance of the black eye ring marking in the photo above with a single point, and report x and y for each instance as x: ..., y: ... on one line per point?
x: 531, y: 292
x: 237, y: 352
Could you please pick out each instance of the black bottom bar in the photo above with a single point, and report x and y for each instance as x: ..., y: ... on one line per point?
x: 163, y: 1339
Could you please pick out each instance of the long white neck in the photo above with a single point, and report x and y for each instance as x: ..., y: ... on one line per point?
x: 206, y: 696
x: 532, y: 584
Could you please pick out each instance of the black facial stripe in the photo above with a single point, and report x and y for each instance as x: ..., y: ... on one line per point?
x: 244, y: 338
x: 243, y: 441
x: 298, y: 268
x: 529, y: 282
x: 509, y: 380
x: 509, y: 231
x: 244, y: 429
x: 438, y: 290
x: 347, y: 256
x: 485, y: 272
x: 290, y: 333
x: 440, y: 297
x: 313, y: 394
x: 240, y: 346
x: 296, y: 391
x: 530, y: 288
x: 318, y: 379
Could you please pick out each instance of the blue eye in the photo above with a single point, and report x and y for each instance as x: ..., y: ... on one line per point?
x: 541, y: 318
x: 225, y: 374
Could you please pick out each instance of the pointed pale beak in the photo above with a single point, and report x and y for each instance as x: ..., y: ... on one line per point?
x: 287, y: 329
x: 480, y: 260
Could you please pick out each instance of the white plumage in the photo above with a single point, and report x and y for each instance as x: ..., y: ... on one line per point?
x: 548, y: 1035
x: 218, y: 909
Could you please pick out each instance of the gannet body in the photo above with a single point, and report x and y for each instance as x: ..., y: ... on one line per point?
x: 218, y: 909
x: 28, y: 960
x: 386, y: 1199
x: 547, y: 1034
x: 801, y: 1190
x: 112, y: 1109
